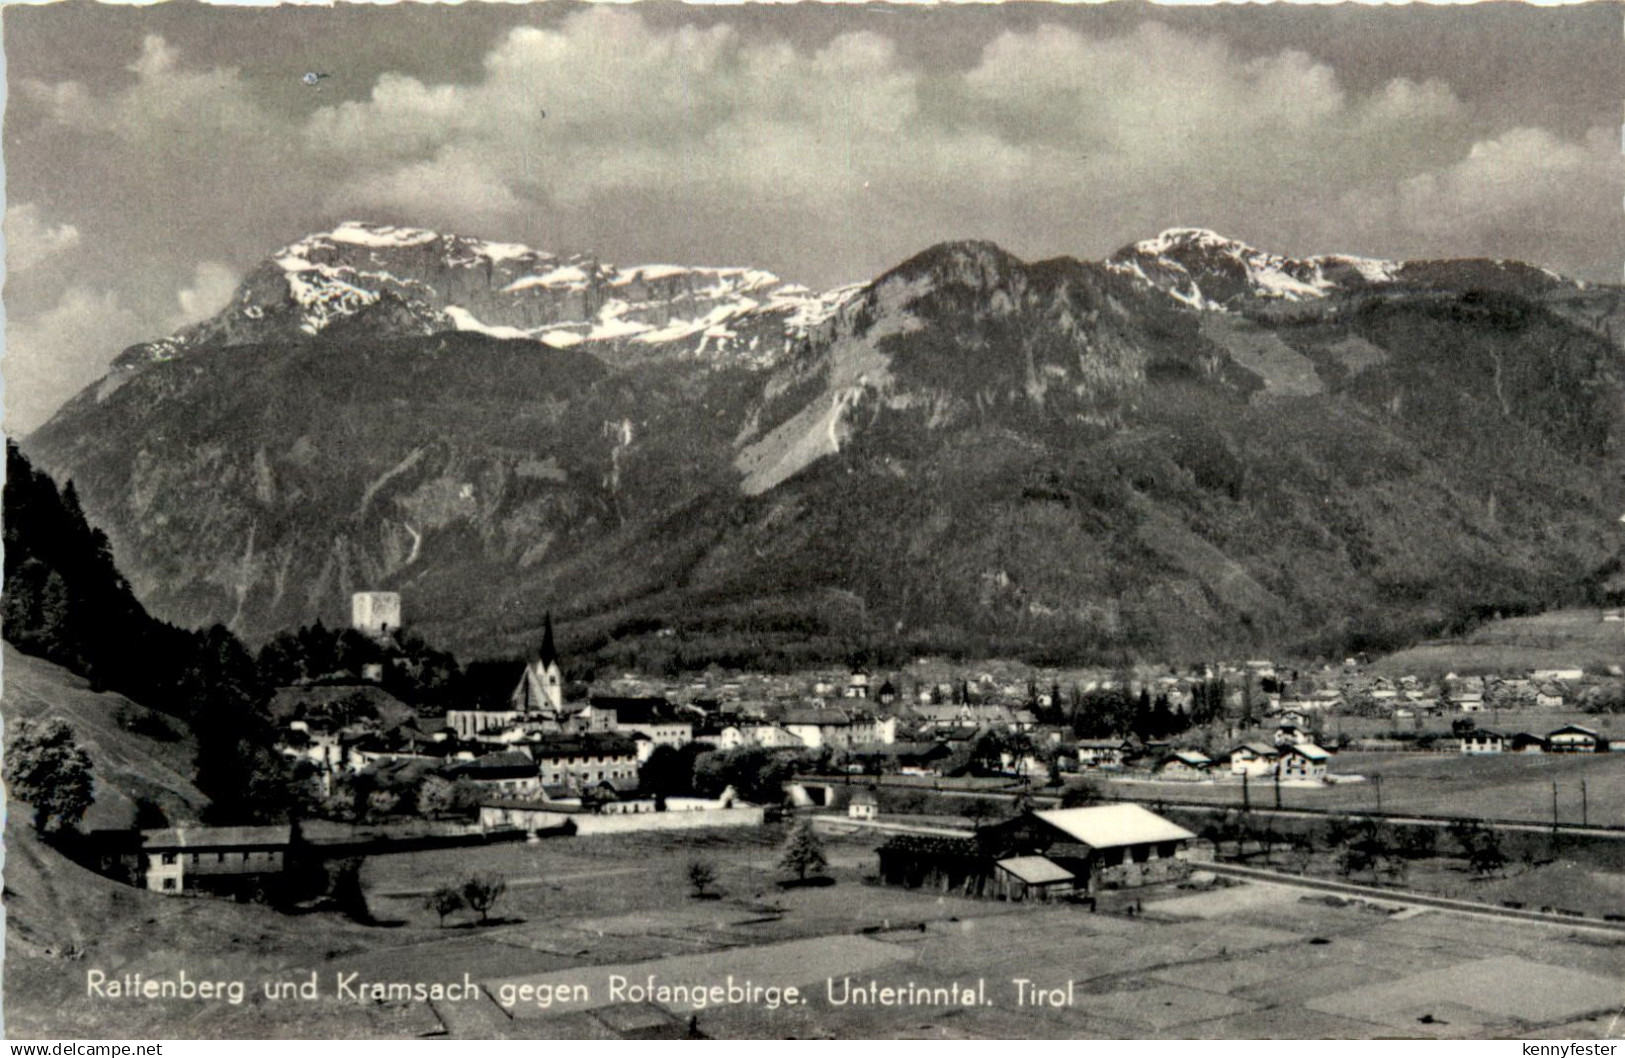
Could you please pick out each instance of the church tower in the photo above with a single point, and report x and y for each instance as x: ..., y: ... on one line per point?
x: 546, y: 667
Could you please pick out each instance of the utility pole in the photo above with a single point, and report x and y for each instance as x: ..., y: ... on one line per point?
x: 1584, y: 814
x: 1277, y: 774
x: 1376, y: 778
x: 1246, y: 794
x: 1554, y: 808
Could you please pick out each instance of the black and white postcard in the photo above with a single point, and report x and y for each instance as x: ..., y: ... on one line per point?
x: 836, y: 521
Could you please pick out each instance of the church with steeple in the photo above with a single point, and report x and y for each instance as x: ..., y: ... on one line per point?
x: 541, y: 687
x: 537, y: 702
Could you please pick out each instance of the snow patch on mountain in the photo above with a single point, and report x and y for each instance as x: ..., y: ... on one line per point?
x: 1208, y: 271
x: 508, y: 290
x: 466, y: 321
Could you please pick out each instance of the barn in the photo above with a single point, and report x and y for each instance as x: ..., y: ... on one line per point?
x: 1044, y: 855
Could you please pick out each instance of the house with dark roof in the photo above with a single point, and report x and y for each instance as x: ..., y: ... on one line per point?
x: 510, y: 771
x: 582, y: 761
x: 655, y: 718
x: 1479, y: 740
x: 222, y: 861
x: 1526, y: 742
x: 1187, y: 765
x: 1101, y: 752
x: 1253, y: 759
x: 1572, y: 738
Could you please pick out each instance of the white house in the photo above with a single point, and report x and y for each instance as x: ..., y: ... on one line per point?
x: 1572, y: 738
x: 1479, y: 741
x: 1254, y: 759
x: 1303, y: 760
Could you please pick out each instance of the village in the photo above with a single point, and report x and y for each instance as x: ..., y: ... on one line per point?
x: 729, y: 750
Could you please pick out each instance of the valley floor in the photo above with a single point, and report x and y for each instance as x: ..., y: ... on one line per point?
x: 1234, y: 962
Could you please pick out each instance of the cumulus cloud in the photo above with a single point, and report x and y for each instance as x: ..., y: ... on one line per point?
x: 32, y: 239
x: 166, y: 105
x: 1525, y: 193
x: 209, y: 290
x: 51, y: 356
x: 1051, y: 137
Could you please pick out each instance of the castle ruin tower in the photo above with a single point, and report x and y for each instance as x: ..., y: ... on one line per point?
x: 376, y: 613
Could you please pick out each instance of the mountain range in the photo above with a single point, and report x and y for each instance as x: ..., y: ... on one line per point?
x: 1192, y: 447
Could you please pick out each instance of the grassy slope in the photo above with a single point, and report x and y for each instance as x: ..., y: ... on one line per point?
x: 1560, y: 639
x: 127, y: 764
x: 63, y: 921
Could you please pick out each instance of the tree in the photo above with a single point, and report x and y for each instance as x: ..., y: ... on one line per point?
x: 381, y: 803
x: 434, y: 796
x: 979, y: 810
x: 1487, y: 856
x: 465, y: 795
x: 1417, y: 843
x: 1301, y: 852
x: 803, y: 852
x: 700, y: 876
x: 1086, y: 792
x: 482, y: 891
x: 1356, y: 858
x: 46, y: 767
x: 445, y: 900
x: 1468, y: 834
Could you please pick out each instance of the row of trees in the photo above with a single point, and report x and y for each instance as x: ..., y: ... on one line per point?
x: 478, y: 893
x: 1370, y: 847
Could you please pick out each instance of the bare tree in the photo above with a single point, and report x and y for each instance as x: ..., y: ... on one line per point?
x: 482, y: 891
x: 445, y: 900
x: 700, y: 876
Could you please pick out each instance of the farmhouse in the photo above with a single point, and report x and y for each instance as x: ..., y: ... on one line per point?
x: 1526, y: 742
x: 818, y: 727
x: 765, y: 735
x: 1478, y: 740
x: 1186, y: 765
x: 1101, y: 752
x: 215, y: 860
x: 1572, y: 738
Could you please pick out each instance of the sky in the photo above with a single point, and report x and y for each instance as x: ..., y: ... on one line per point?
x: 154, y: 155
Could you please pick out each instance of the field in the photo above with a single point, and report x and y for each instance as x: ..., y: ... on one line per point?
x: 1238, y: 962
x: 1504, y: 786
x: 1559, y: 639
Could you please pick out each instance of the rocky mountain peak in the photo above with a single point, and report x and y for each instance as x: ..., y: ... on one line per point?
x: 434, y: 281
x: 1208, y: 270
